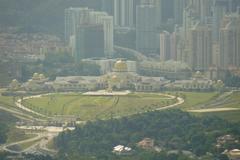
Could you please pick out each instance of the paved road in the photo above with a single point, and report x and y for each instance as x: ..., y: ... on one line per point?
x: 53, y: 132
x: 18, y: 103
x: 213, y: 110
x: 7, y: 149
x: 179, y: 102
x: 21, y: 115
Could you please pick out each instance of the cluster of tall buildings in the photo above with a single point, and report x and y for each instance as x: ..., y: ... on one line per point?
x: 89, y: 33
x: 205, y: 34
x: 210, y: 35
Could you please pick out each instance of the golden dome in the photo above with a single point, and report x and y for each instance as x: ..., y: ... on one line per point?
x: 35, y: 76
x: 120, y: 66
x: 41, y: 76
x: 114, y: 78
x: 14, y: 81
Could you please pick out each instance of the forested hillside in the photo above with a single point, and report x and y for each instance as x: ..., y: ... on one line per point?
x: 171, y: 130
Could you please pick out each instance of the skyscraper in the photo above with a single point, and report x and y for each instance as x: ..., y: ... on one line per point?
x: 201, y: 9
x: 230, y: 42
x: 158, y: 9
x: 74, y: 17
x: 88, y: 42
x: 123, y: 13
x: 147, y: 37
x: 76, y: 20
x: 179, y: 6
x: 165, y: 46
x: 220, y: 8
x: 108, y: 6
x: 200, y: 40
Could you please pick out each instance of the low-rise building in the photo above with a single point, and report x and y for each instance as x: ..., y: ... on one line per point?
x: 198, y: 82
x: 120, y: 78
x: 146, y: 143
x: 234, y: 154
x: 120, y: 150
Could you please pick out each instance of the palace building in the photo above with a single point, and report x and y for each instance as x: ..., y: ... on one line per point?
x: 120, y: 78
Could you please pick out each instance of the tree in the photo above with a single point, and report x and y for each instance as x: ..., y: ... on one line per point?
x: 3, y: 132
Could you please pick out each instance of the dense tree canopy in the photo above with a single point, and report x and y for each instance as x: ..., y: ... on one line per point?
x: 59, y: 64
x: 232, y: 80
x: 171, y: 130
x: 3, y: 132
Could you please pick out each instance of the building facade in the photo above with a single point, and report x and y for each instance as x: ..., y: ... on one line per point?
x: 165, y: 46
x: 230, y: 42
x: 124, y: 13
x: 200, y: 39
x: 147, y: 37
x: 76, y: 20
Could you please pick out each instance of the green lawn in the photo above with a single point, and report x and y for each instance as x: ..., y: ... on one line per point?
x: 23, y: 146
x: 91, y: 107
x: 26, y: 145
x: 192, y: 99
x: 15, y: 135
x: 233, y: 102
x: 7, y: 100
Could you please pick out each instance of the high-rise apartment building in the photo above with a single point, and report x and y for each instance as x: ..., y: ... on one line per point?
x: 179, y: 6
x: 76, y: 20
x: 108, y: 6
x: 158, y: 9
x: 220, y: 8
x: 147, y: 37
x: 230, y: 41
x: 165, y: 46
x: 124, y: 13
x: 88, y: 42
x: 200, y: 47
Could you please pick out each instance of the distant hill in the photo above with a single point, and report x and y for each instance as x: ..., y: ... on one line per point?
x: 39, y: 15
x: 171, y: 130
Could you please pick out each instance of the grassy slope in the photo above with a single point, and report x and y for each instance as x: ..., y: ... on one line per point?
x: 233, y: 116
x: 15, y: 135
x: 23, y: 146
x: 234, y: 101
x: 7, y: 100
x: 195, y: 98
x: 86, y: 107
x: 90, y: 107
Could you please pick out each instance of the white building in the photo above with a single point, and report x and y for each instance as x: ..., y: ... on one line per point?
x: 165, y: 46
x: 120, y: 149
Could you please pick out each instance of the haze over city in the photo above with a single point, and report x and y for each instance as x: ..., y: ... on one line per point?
x: 120, y: 80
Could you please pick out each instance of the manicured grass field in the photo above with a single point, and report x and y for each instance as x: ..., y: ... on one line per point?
x: 233, y: 101
x: 23, y: 146
x: 15, y: 135
x: 192, y: 99
x: 91, y: 107
x: 7, y: 100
